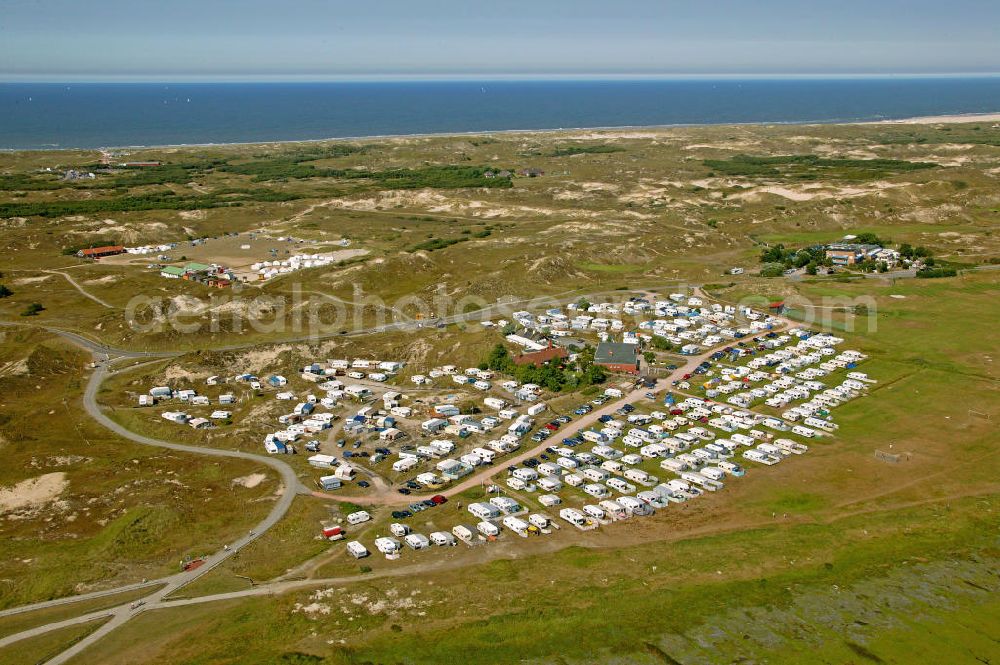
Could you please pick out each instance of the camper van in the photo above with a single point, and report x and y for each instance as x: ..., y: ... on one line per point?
x: 732, y: 468
x: 417, y: 541
x: 595, y: 512
x: 357, y: 550
x: 488, y: 529
x: 484, y: 511
x: 539, y: 520
x: 701, y: 481
x: 614, y: 509
x: 804, y: 431
x: 714, y: 473
x: 620, y: 485
x: 634, y: 506
x: 773, y: 451
x: 519, y: 526
x: 793, y: 447
x: 640, y: 476
x: 674, y: 465
x: 443, y: 539
x: 506, y: 505
x: 596, y: 490
x: 576, y: 518
x: 463, y: 533
x: 760, y: 457
x: 388, y: 546
x: 358, y: 517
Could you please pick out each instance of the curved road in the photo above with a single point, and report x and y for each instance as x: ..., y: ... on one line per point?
x: 119, y: 615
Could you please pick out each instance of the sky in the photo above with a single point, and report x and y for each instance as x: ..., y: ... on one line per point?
x: 188, y: 40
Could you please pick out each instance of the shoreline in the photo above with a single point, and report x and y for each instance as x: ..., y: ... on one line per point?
x: 956, y: 118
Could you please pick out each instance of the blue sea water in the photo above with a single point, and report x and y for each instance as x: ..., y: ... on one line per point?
x: 35, y: 115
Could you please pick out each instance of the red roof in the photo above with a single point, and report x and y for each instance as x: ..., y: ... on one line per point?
x: 541, y: 357
x: 103, y: 250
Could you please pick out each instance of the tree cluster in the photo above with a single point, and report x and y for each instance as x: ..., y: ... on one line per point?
x: 571, y: 376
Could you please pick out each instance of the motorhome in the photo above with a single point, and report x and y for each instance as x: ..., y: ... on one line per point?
x: 358, y: 517
x: 388, y: 546
x: 640, y: 476
x: 540, y: 520
x: 760, y: 457
x: 484, y: 511
x: 519, y: 526
x: 576, y: 518
x: 772, y: 450
x: 635, y: 506
x: 732, y: 468
x: 506, y: 505
x: 701, y: 481
x: 417, y: 541
x: 620, y: 485
x: 596, y: 490
x: 463, y: 533
x: 793, y: 447
x: 674, y: 465
x: 714, y: 473
x: 488, y: 529
x: 614, y: 509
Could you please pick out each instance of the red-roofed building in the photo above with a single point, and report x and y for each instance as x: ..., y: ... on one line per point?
x: 542, y: 357
x: 98, y: 252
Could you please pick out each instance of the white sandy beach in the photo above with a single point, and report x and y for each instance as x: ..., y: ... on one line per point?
x: 939, y: 119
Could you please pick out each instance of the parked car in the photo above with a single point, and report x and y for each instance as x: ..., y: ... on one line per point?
x: 404, y: 491
x: 438, y: 499
x: 364, y: 483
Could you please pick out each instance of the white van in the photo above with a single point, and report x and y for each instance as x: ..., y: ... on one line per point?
x: 357, y: 550
x: 358, y: 517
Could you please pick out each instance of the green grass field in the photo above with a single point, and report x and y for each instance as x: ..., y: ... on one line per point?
x: 832, y: 557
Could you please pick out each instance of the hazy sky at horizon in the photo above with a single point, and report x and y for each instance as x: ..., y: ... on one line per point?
x: 183, y: 39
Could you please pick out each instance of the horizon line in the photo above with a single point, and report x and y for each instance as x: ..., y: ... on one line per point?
x: 512, y: 77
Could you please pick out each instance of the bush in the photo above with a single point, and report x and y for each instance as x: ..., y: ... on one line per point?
x: 932, y: 273
x: 772, y: 270
x: 5, y: 292
x: 33, y: 309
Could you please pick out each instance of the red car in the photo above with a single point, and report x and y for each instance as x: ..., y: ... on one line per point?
x: 438, y: 499
x: 552, y: 427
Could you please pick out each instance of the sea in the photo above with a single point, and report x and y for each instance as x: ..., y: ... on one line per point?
x: 94, y: 115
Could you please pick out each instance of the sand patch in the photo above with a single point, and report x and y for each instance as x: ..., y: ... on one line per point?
x: 33, y: 492
x: 107, y: 279
x: 251, y: 481
x: 32, y: 280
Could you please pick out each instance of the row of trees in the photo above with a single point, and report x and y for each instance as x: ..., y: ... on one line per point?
x: 573, y: 375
